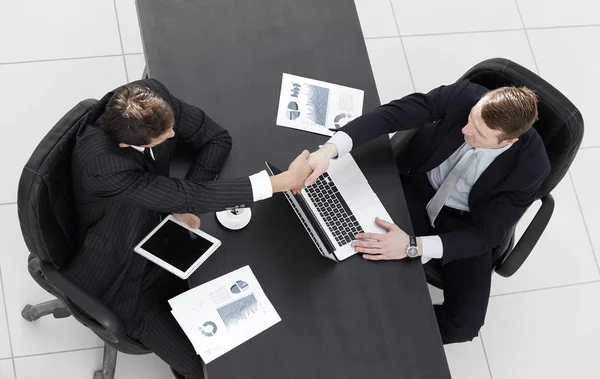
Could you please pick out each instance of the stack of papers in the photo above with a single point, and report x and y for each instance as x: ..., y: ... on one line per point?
x: 224, y: 313
x: 316, y: 106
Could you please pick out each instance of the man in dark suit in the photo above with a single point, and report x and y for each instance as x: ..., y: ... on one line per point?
x: 120, y: 168
x: 469, y: 173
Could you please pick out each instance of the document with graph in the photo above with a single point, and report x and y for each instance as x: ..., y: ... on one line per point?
x: 224, y: 313
x: 316, y: 106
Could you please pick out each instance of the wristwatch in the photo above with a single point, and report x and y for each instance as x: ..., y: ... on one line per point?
x: 412, y: 251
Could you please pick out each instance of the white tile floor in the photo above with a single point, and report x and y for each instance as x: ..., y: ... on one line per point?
x: 542, y: 323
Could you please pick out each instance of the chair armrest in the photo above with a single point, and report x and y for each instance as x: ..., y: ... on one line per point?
x: 113, y: 325
x: 515, y: 258
x: 401, y: 139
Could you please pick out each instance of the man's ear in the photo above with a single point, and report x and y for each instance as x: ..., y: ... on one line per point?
x: 121, y: 144
x: 511, y: 141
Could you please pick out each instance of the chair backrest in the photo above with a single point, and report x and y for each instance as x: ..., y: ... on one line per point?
x: 560, y: 123
x: 49, y: 226
x: 45, y: 196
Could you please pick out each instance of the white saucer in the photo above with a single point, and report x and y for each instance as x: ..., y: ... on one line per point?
x: 233, y: 221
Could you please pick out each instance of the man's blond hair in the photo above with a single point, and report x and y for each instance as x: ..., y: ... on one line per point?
x: 511, y: 110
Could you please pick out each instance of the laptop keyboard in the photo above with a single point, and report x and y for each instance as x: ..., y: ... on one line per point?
x: 333, y: 209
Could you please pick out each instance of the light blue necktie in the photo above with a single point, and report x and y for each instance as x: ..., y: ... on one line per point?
x: 439, y: 199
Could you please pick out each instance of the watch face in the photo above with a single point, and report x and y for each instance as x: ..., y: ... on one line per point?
x: 412, y: 252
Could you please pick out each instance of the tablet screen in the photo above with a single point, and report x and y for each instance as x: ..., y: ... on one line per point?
x: 176, y: 245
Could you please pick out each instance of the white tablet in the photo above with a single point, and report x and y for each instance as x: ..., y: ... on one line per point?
x: 176, y: 247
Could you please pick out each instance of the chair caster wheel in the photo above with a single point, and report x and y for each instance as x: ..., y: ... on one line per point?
x: 26, y: 313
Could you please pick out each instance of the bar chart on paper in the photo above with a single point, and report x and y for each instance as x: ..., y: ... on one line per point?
x: 224, y: 313
x: 316, y: 106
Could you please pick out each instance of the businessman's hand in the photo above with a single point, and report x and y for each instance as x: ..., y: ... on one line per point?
x: 189, y: 219
x: 295, y: 176
x: 391, y: 245
x: 299, y: 170
x: 319, y: 162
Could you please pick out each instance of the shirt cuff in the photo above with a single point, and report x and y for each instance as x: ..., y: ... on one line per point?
x: 261, y: 186
x: 432, y: 248
x: 342, y: 142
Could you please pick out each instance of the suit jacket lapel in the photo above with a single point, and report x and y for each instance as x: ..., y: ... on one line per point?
x: 495, y: 173
x: 161, y: 156
x: 454, y: 139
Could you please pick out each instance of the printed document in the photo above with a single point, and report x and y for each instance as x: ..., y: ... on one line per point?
x: 224, y: 313
x: 316, y: 106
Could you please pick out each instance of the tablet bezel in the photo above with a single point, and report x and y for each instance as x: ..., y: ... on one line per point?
x: 172, y: 269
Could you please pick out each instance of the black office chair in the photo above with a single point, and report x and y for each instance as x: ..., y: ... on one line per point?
x: 560, y: 125
x: 49, y: 225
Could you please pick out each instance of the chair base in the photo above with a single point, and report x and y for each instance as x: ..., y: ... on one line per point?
x: 58, y: 310
x: 109, y: 363
x: 55, y: 307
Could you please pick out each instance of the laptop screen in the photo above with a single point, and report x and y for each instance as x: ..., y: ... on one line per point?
x: 307, y: 211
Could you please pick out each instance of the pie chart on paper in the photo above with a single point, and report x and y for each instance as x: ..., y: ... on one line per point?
x: 239, y: 287
x: 292, y: 111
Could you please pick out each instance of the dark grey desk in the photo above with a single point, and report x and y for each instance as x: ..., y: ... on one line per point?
x: 355, y: 319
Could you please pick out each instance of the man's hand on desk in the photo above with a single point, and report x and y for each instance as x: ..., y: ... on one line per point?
x: 391, y: 245
x: 189, y: 219
x: 295, y: 176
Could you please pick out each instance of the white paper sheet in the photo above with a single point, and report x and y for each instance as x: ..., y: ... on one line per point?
x: 316, y: 106
x: 224, y: 313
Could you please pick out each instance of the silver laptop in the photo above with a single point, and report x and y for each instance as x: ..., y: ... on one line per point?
x: 339, y: 205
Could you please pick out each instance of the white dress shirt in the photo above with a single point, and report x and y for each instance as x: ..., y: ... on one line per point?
x: 260, y: 182
x: 459, y: 197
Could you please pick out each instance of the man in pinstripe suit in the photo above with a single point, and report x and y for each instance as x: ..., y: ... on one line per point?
x: 120, y: 168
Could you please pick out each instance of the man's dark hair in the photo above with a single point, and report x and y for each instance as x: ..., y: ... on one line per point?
x: 135, y: 115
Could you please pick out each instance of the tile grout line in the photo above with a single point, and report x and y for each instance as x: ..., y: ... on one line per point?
x: 587, y: 230
x: 537, y: 69
x: 382, y: 37
x: 546, y: 288
x: 461, y: 33
x: 563, y: 27
x: 402, y: 44
x: 1, y: 204
x: 489, y: 31
x: 12, y: 354
x: 487, y: 361
x: 63, y: 59
x: 60, y: 352
x: 121, y: 40
x: 589, y: 147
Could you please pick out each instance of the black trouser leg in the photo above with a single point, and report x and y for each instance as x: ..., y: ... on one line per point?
x: 159, y: 331
x: 466, y: 281
x: 466, y: 294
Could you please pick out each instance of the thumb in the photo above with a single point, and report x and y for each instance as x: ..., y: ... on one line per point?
x: 384, y: 224
x: 305, y: 154
x: 312, y: 178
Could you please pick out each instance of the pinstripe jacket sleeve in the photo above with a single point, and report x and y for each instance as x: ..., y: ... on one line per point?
x: 122, y: 180
x: 193, y: 127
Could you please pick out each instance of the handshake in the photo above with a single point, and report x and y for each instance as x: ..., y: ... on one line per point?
x: 304, y: 170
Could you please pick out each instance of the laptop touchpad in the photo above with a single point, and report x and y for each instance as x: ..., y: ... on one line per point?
x: 357, y: 195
